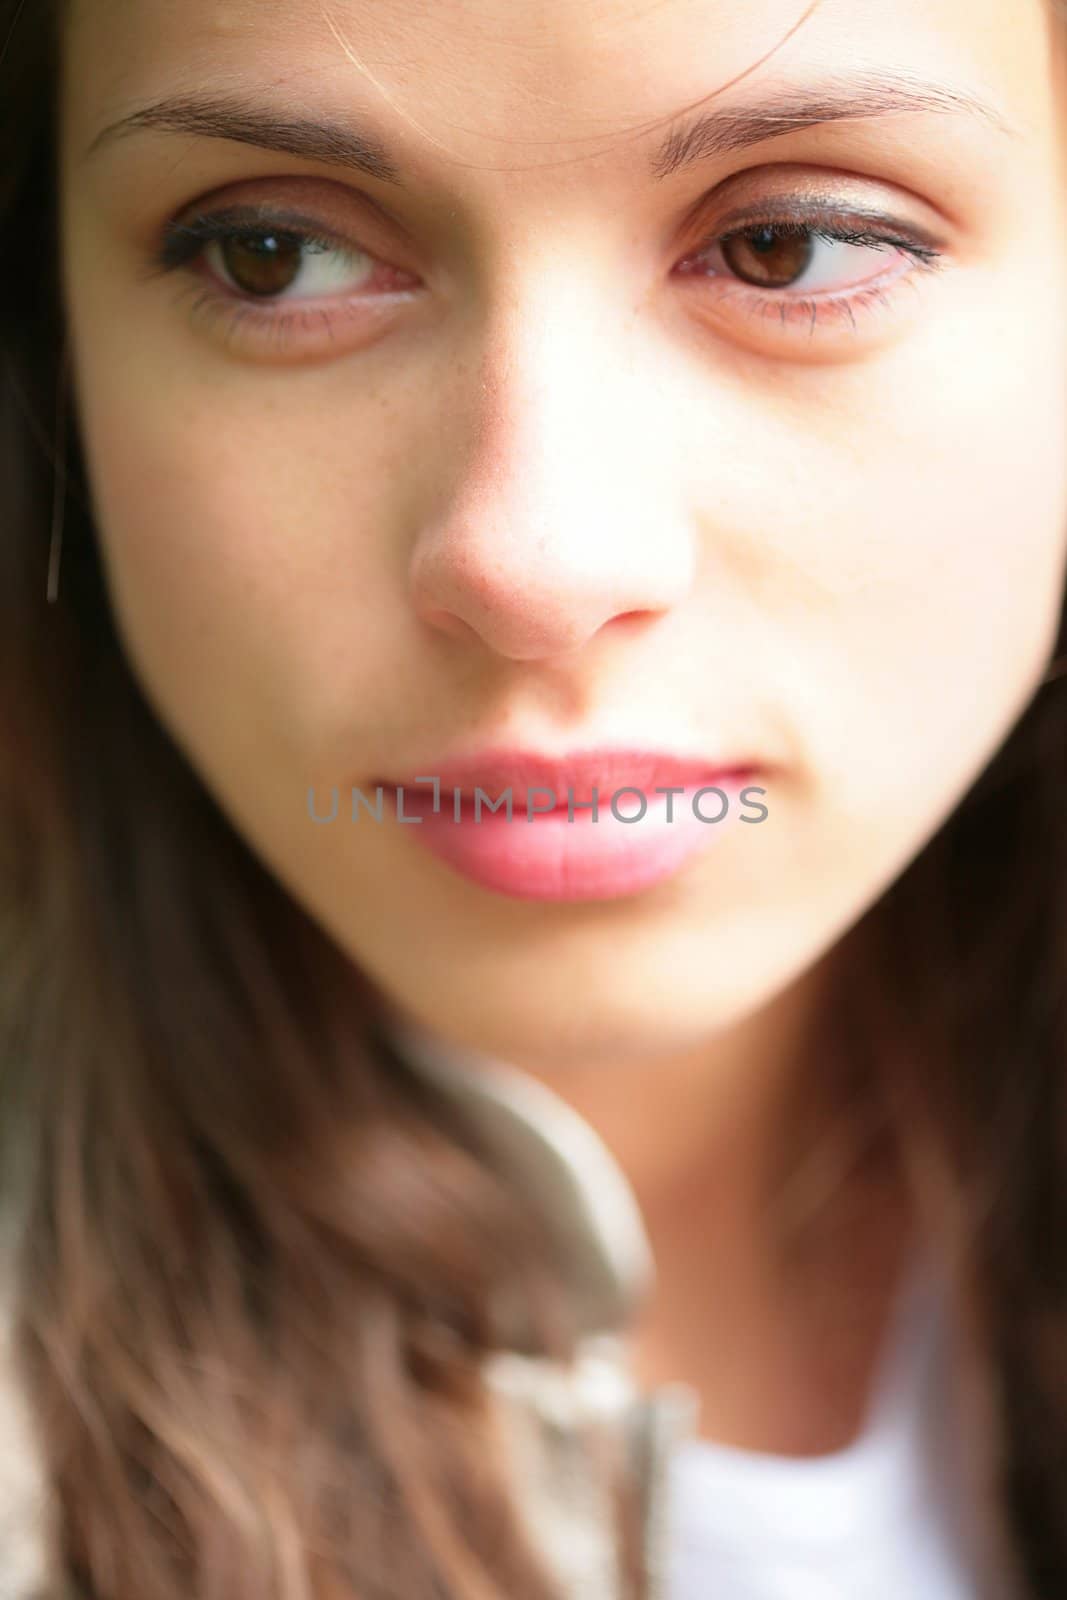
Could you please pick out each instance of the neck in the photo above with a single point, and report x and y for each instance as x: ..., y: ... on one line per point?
x: 778, y: 1223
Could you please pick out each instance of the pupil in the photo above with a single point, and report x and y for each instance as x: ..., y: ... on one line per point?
x: 263, y: 264
x: 767, y: 256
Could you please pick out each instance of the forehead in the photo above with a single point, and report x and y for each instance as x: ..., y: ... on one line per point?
x: 540, y: 75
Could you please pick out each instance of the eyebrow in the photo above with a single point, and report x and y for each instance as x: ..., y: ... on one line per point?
x: 722, y: 130
x: 869, y: 94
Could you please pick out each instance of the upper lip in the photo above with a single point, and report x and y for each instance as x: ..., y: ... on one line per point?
x: 578, y: 771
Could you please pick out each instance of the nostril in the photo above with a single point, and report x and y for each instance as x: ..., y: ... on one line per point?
x: 446, y: 621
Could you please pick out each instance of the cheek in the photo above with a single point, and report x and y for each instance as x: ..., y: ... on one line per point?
x: 983, y: 518
x: 933, y: 543
x: 246, y: 562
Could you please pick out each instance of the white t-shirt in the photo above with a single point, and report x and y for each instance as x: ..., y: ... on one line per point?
x: 874, y: 1521
x: 893, y: 1517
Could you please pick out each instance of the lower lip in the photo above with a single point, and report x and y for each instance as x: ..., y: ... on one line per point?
x: 549, y: 857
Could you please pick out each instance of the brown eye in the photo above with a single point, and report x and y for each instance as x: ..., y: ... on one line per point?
x: 262, y: 264
x: 768, y: 256
x: 280, y: 264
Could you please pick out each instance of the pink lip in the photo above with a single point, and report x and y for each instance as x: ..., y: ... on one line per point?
x: 563, y: 854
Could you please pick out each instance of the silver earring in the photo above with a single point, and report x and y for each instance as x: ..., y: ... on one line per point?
x: 59, y: 480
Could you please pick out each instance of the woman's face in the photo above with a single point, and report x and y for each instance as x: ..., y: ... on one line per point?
x: 506, y: 446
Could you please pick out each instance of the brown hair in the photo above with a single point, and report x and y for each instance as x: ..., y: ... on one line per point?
x: 257, y: 1255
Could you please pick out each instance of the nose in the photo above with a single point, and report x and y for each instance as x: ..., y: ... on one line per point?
x: 564, y: 512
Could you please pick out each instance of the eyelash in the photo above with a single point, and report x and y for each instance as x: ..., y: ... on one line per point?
x: 182, y: 243
x: 834, y: 229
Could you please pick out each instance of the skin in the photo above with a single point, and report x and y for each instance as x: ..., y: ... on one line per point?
x: 639, y: 511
